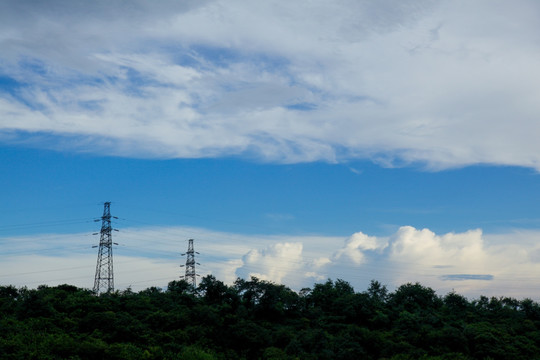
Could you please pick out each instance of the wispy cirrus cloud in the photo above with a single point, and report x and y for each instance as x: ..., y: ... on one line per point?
x: 418, y: 81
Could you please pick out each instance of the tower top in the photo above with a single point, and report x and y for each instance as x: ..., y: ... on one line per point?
x: 190, y: 275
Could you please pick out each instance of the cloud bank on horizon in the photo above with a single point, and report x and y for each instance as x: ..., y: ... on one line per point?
x: 471, y: 263
x: 443, y: 83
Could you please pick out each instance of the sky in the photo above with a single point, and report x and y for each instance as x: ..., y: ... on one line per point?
x: 294, y: 141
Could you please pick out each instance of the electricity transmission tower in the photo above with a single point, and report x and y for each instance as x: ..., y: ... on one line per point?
x: 190, y: 275
x: 104, y: 280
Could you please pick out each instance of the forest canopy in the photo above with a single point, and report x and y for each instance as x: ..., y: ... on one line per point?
x: 256, y: 319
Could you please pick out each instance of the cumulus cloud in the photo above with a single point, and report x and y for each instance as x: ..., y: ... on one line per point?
x: 357, y: 245
x: 446, y: 83
x: 273, y: 263
x: 426, y: 255
x: 471, y: 262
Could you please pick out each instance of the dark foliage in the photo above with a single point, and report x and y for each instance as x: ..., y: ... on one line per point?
x: 255, y: 319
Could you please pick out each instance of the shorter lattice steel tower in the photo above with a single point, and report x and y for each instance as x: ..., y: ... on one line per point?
x: 104, y: 280
x: 191, y: 275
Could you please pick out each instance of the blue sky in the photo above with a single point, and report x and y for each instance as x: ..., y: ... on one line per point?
x: 244, y: 196
x: 294, y: 141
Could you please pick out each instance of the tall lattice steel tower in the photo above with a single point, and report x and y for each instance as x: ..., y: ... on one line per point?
x: 104, y: 281
x: 191, y: 275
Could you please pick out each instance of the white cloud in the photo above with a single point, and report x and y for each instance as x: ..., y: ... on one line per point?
x: 429, y: 256
x: 320, y: 262
x: 447, y: 83
x: 471, y: 263
x: 273, y: 263
x: 357, y: 244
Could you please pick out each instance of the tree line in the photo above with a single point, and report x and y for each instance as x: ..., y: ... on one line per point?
x: 256, y: 319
